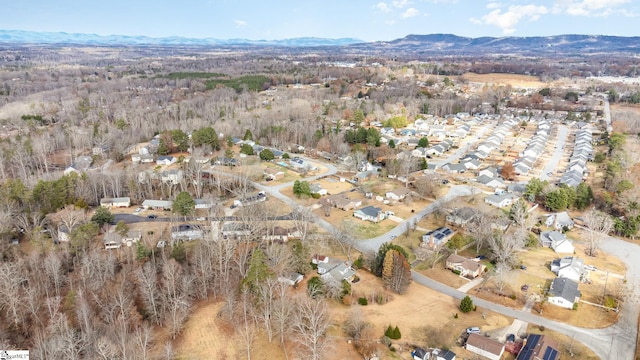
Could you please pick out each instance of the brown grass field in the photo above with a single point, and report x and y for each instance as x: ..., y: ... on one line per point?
x: 524, y: 81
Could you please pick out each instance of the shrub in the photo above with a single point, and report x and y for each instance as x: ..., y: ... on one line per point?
x: 455, y: 316
x: 466, y: 304
x: 513, y: 297
x: 363, y: 301
x: 316, y: 196
x: 541, y: 327
x: 575, y: 306
x: 393, y: 333
x: 610, y: 302
x: 358, y: 263
x: 457, y: 272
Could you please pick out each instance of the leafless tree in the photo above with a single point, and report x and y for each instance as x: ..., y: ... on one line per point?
x: 480, y: 228
x: 598, y: 225
x: 343, y: 236
x: 501, y: 274
x: 11, y: 278
x: 311, y: 324
x: 149, y: 289
x: 302, y: 219
x: 504, y: 247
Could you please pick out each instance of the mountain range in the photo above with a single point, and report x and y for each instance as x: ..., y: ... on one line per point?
x: 410, y: 44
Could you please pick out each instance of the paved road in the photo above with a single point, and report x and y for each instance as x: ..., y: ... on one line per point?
x: 130, y: 218
x: 552, y: 164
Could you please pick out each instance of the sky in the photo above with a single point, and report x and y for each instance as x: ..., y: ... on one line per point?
x: 365, y: 20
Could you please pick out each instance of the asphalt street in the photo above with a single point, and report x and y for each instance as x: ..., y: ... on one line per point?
x: 554, y: 160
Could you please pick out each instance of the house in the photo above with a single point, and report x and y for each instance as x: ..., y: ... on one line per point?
x: 115, y: 202
x: 461, y: 216
x: 142, y: 158
x: 342, y: 202
x: 157, y: 204
x: 186, y: 232
x: 454, y: 168
x: 370, y: 213
x: 301, y: 164
x: 173, y: 176
x: 333, y: 269
x: 271, y: 174
x: 472, y: 164
x: 492, y: 182
x: 499, y: 201
x: 166, y: 160
x: 437, y: 237
x: 563, y: 220
x: 81, y: 164
x: 548, y: 237
x: 234, y: 230
x: 131, y: 237
x: 112, y: 240
x: 64, y: 234
x: 485, y: 346
x: 398, y: 194
x: 292, y: 279
x: 317, y: 189
x: 556, y: 241
x: 564, y: 293
x: 203, y: 203
x: 569, y: 267
x: 446, y: 355
x: 467, y: 267
x: 250, y: 200
x: 538, y: 347
x: 225, y: 161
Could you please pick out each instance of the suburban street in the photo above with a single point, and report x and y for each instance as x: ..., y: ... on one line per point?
x: 554, y: 160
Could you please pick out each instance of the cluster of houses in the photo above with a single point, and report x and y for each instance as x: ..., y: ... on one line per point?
x: 534, y: 149
x: 564, y: 288
x: 582, y: 152
x: 533, y: 347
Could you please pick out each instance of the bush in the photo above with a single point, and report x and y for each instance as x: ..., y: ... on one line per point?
x: 610, y: 302
x: 575, y: 306
x: 316, y: 196
x: 513, y: 296
x: 455, y: 316
x: 466, y: 304
x: 363, y: 301
x: 457, y: 272
x: 358, y: 263
x: 541, y: 327
x: 393, y: 333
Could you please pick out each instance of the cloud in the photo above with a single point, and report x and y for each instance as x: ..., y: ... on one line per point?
x: 383, y: 7
x: 410, y: 12
x: 494, y: 5
x: 590, y: 7
x: 508, y: 19
x: 400, y: 3
x: 240, y: 23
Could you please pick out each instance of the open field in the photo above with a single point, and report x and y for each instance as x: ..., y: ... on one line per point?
x: 515, y: 80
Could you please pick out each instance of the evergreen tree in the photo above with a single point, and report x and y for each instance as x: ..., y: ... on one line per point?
x: 466, y: 304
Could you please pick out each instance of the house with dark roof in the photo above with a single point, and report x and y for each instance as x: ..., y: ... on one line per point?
x: 438, y: 236
x: 484, y: 346
x: 370, y: 213
x: 467, y: 267
x: 342, y: 202
x: 539, y: 347
x: 461, y: 216
x: 564, y: 293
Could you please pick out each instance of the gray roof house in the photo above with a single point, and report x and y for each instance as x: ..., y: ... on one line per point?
x: 157, y: 204
x: 548, y: 237
x: 499, y: 201
x: 461, y: 216
x: 564, y: 293
x: 569, y: 267
x: 370, y: 213
x: 562, y: 220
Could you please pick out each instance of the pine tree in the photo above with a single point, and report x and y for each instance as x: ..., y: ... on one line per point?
x: 387, y: 268
x: 466, y: 304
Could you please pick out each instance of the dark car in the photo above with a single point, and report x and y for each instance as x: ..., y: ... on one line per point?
x: 523, y: 267
x: 152, y: 216
x: 511, y: 338
x: 524, y: 287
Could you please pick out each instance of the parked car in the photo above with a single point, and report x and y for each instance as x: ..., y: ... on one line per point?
x: 473, y: 330
x: 392, y: 237
x: 201, y: 218
x: 524, y: 287
x: 511, y: 338
x: 590, y: 268
x: 152, y: 216
x: 523, y: 267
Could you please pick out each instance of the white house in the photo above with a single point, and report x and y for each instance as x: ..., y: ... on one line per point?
x: 166, y: 160
x: 186, y: 232
x: 398, y: 194
x: 157, y: 204
x: 563, y: 220
x: 115, y: 202
x: 569, y: 267
x: 173, y: 176
x: 564, y: 293
x: 203, y: 203
x: 485, y: 346
x: 499, y: 201
x: 317, y: 189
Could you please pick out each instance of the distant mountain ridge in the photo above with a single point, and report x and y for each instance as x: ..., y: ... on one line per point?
x: 442, y: 44
x: 35, y: 37
x: 568, y: 44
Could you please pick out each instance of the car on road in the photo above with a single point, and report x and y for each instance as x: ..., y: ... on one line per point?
x: 511, y: 338
x: 392, y: 237
x: 524, y: 287
x: 523, y: 267
x: 201, y: 218
x: 473, y: 330
x: 590, y: 268
x: 152, y: 216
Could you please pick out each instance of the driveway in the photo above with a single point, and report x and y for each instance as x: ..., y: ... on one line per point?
x: 552, y: 163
